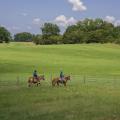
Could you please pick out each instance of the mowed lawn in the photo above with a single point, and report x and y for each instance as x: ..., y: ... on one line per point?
x: 84, y: 98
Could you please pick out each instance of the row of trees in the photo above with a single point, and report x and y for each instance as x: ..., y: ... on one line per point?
x: 92, y: 31
x: 86, y: 31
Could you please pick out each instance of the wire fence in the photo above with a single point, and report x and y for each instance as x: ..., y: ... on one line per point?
x: 75, y: 79
x: 97, y: 80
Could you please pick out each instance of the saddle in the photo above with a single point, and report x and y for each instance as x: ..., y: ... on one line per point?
x: 61, y: 80
x: 35, y: 79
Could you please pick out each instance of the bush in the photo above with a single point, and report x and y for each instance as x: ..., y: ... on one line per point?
x: 23, y: 37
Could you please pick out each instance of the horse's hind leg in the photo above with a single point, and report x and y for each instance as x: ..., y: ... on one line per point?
x: 29, y: 85
x: 53, y: 84
x: 37, y: 84
x: 57, y: 83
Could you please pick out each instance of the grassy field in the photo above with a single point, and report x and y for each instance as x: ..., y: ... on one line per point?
x: 92, y: 94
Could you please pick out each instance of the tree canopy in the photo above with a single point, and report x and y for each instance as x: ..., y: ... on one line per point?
x: 5, y: 35
x: 85, y: 31
x: 50, y: 35
x: 23, y: 37
x: 91, y: 31
x: 49, y: 29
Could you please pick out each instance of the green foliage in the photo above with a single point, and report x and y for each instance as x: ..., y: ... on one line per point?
x: 37, y: 39
x: 56, y: 39
x: 49, y: 30
x: 91, y: 31
x: 73, y: 35
x: 23, y: 37
x: 5, y: 35
x: 50, y: 35
x: 86, y: 31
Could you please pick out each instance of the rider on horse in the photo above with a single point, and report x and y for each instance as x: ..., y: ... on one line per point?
x: 35, y: 76
x: 61, y: 76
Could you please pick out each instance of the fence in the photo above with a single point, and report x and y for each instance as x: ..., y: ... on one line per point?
x: 112, y: 80
x: 12, y: 81
x: 75, y: 80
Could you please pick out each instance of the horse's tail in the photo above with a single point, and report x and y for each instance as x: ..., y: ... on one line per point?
x: 29, y: 79
x: 53, y: 82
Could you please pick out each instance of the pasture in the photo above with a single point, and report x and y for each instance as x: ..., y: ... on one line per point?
x: 92, y: 94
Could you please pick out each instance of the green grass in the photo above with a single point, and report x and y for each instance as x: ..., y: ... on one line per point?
x: 92, y: 94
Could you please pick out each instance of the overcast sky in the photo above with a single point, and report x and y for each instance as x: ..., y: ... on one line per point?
x: 29, y: 15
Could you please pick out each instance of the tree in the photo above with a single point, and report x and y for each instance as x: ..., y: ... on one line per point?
x: 49, y: 30
x: 56, y: 39
x: 85, y: 31
x: 37, y: 39
x: 5, y: 35
x: 91, y: 31
x: 23, y: 37
x: 95, y: 36
x: 73, y: 37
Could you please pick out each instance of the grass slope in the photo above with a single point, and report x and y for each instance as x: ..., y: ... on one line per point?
x: 97, y: 100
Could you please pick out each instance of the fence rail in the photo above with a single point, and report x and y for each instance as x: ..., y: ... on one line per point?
x: 75, y: 79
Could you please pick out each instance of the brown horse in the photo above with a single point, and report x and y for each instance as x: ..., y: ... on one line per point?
x: 32, y: 80
x: 58, y: 81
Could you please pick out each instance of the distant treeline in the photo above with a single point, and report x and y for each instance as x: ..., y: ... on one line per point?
x: 86, y: 31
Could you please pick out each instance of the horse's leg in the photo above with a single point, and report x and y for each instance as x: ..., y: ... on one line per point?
x: 53, y: 83
x: 58, y: 83
x: 36, y: 83
x: 29, y: 85
x: 64, y: 84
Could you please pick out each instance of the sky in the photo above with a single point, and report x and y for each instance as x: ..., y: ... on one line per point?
x: 29, y: 15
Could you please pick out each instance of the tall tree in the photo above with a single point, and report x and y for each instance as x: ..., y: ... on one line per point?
x: 49, y: 30
x: 5, y: 35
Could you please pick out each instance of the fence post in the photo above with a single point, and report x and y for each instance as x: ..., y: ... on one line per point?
x: 84, y: 79
x: 18, y: 80
x: 114, y: 81
x: 50, y: 77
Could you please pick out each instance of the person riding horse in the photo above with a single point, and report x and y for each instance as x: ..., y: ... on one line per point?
x: 35, y: 75
x: 61, y: 76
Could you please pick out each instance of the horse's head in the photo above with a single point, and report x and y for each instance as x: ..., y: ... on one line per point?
x: 67, y: 78
x: 42, y: 77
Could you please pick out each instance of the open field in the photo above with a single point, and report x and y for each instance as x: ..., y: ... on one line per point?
x: 92, y: 94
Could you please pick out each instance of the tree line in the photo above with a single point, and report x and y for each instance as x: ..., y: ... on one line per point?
x: 86, y: 31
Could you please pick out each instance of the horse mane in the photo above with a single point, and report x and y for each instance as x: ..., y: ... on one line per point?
x: 68, y: 76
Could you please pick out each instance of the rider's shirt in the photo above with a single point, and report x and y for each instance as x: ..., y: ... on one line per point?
x: 35, y: 74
